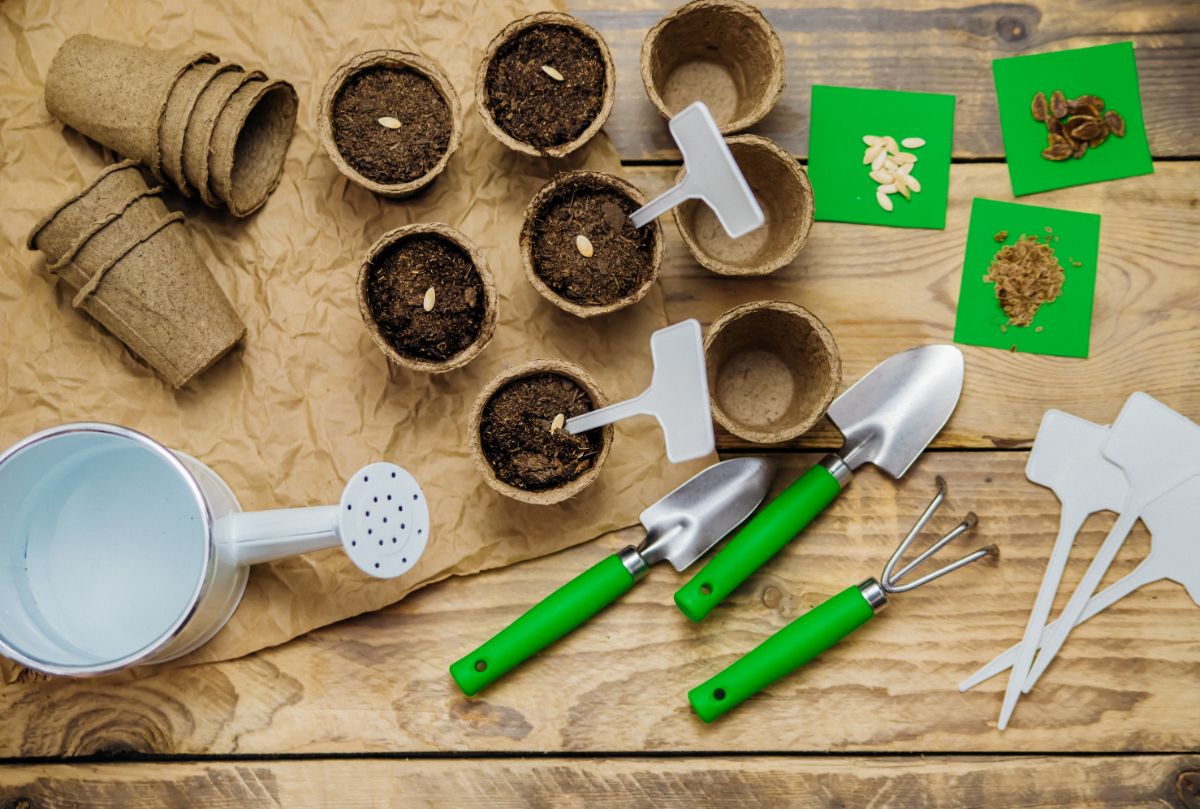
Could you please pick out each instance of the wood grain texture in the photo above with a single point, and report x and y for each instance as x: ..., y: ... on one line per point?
x: 1125, y: 681
x: 881, y: 290
x: 1107, y: 782
x: 929, y: 46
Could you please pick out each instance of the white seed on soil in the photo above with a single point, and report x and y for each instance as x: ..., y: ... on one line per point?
x: 884, y: 200
x: 389, y: 122
x: 912, y: 143
x: 552, y: 73
x: 584, y: 246
x: 430, y: 300
x: 871, y: 153
x: 558, y: 423
x: 872, y: 140
x: 881, y: 176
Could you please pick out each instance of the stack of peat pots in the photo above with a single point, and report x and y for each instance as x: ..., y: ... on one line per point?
x: 209, y: 127
x: 133, y: 269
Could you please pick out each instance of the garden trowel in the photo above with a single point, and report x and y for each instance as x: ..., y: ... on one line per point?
x: 888, y: 418
x: 680, y: 528
x: 712, y: 176
x: 677, y: 396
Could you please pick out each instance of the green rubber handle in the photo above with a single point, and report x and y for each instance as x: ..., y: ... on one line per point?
x: 782, y: 653
x: 760, y: 539
x: 554, y: 616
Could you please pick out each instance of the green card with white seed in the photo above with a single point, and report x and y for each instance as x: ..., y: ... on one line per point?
x: 852, y: 182
x: 1062, y: 257
x: 1094, y: 132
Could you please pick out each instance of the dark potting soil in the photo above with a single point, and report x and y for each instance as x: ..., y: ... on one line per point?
x: 535, y: 107
x: 622, y: 257
x: 516, y: 436
x: 384, y: 154
x: 397, y: 285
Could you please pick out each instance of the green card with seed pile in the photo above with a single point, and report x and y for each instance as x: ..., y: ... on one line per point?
x: 1071, y: 117
x: 880, y: 157
x: 1028, y: 279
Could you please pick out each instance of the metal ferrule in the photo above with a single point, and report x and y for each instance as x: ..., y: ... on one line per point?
x: 633, y: 562
x: 873, y: 592
x: 838, y: 468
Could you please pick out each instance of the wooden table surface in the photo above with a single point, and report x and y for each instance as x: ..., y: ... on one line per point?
x: 364, y: 714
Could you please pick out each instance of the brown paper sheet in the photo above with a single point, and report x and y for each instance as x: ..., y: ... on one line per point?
x: 308, y: 398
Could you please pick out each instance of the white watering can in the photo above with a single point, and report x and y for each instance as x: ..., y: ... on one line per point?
x: 116, y: 551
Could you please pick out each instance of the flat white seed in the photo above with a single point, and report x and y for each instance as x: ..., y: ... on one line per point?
x: 872, y: 140
x: 389, y: 122
x: 890, y: 144
x: 911, y: 182
x: 883, y: 199
x: 430, y: 300
x: 881, y: 176
x: 558, y: 423
x: 912, y: 143
x: 871, y: 153
x: 890, y: 188
x: 903, y: 189
x: 905, y: 169
x: 890, y: 165
x: 879, y: 160
x: 906, y: 157
x: 552, y: 73
x: 584, y: 246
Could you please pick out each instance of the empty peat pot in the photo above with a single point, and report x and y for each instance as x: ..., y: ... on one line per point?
x: 390, y: 120
x: 579, y: 249
x: 428, y: 297
x: 516, y: 434
x: 721, y: 52
x: 773, y: 369
x: 546, y: 84
x: 783, y: 191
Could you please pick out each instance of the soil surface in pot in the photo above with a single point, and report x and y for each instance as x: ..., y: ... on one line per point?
x: 535, y: 107
x: 622, y: 257
x: 397, y: 287
x: 516, y: 436
x: 381, y: 153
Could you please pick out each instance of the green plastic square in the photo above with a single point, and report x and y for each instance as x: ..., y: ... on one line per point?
x: 1107, y: 71
x: 843, y: 190
x: 1062, y: 327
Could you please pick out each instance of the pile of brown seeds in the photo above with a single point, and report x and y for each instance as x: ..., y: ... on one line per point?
x: 1074, y: 125
x: 1026, y: 275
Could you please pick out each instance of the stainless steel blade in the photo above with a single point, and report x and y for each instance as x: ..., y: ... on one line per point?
x: 682, y: 526
x: 891, y: 414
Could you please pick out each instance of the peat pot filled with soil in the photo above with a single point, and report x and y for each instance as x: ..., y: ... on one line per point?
x: 517, y: 437
x: 390, y: 120
x: 579, y: 249
x: 428, y: 297
x: 546, y: 84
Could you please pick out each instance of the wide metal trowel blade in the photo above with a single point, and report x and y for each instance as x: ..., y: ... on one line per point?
x: 686, y: 523
x: 891, y: 414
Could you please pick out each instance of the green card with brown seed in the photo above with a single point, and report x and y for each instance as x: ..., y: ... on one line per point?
x: 1028, y: 279
x: 880, y: 157
x: 1071, y: 117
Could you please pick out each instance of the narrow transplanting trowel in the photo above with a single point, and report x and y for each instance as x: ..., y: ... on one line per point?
x: 680, y: 528
x: 888, y: 418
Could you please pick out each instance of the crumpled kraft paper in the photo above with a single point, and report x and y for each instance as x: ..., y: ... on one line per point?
x: 308, y: 398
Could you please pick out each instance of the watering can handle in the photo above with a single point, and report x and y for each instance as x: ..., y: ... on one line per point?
x: 760, y: 539
x: 784, y: 652
x: 567, y: 608
x: 264, y: 536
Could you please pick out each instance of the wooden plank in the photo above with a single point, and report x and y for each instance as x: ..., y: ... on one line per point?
x: 1125, y: 681
x: 881, y: 290
x: 924, y: 45
x: 1107, y: 782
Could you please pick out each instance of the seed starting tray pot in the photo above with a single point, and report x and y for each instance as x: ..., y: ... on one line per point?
x: 1062, y: 327
x: 1107, y: 71
x: 842, y: 185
